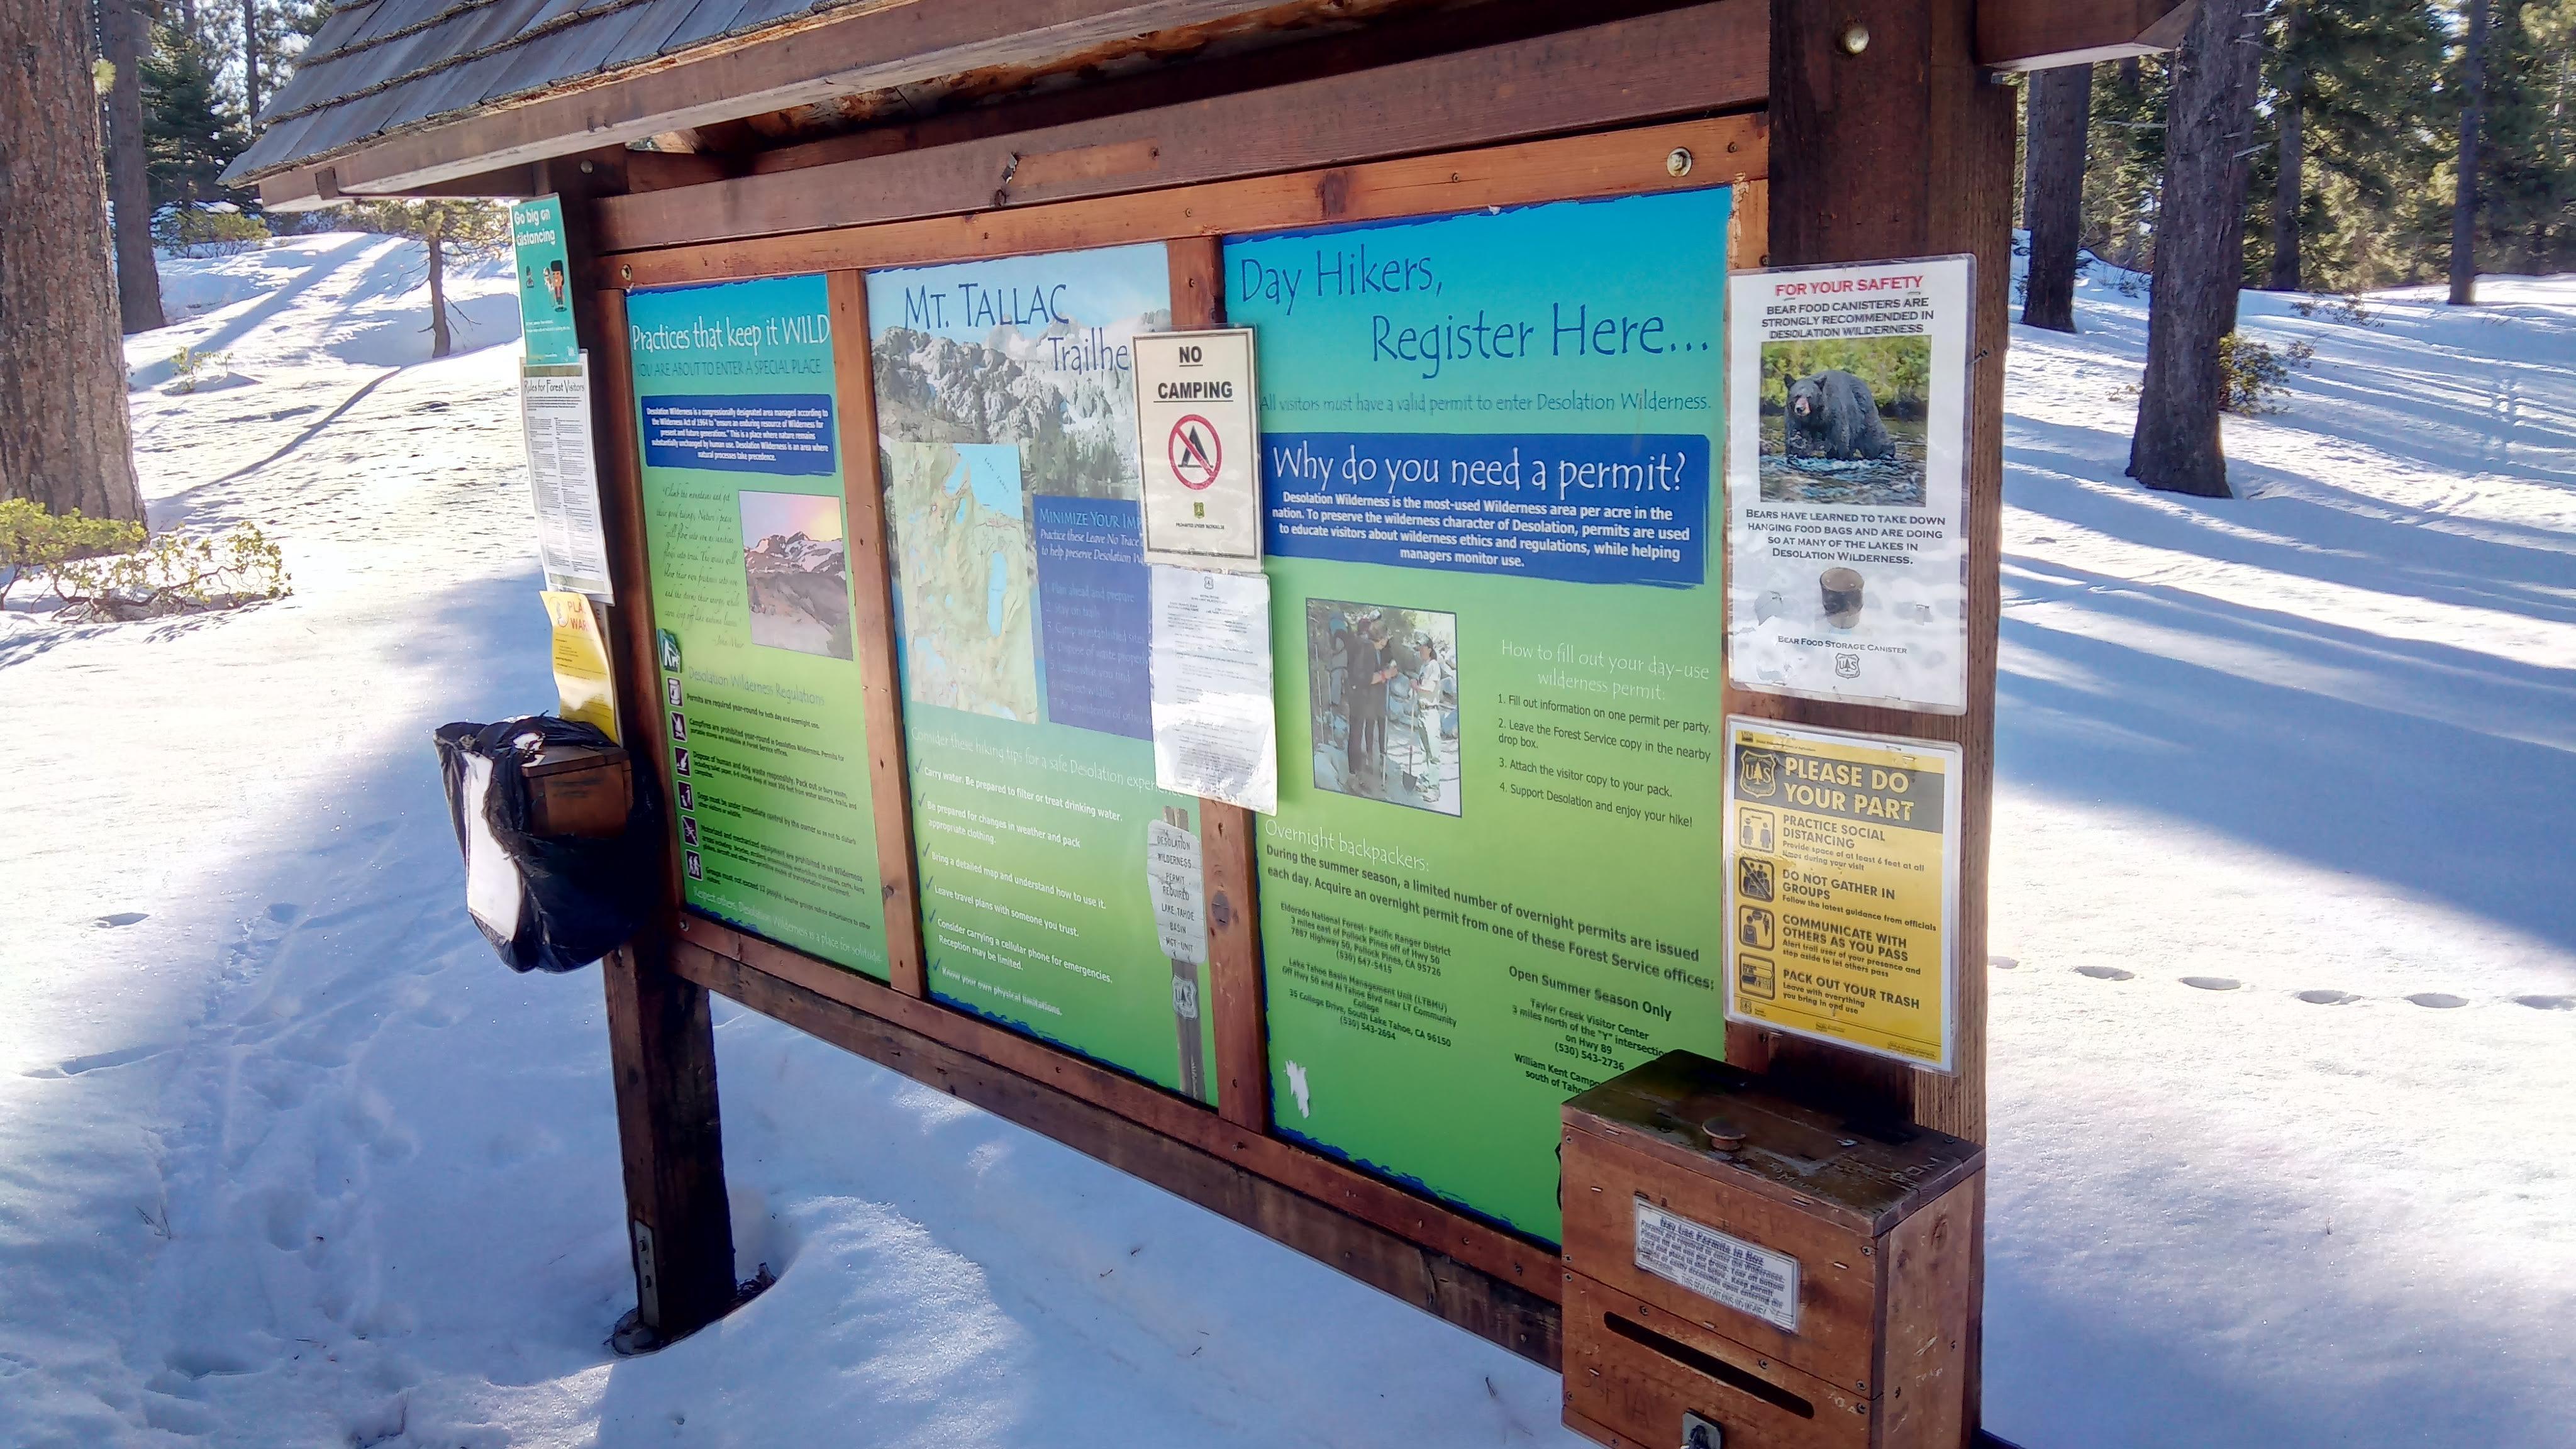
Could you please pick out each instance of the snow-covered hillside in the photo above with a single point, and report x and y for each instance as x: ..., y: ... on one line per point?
x: 2282, y: 1043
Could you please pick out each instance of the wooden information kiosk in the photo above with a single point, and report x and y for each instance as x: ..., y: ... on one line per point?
x: 857, y: 286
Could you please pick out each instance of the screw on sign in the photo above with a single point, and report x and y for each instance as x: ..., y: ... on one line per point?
x: 1195, y: 452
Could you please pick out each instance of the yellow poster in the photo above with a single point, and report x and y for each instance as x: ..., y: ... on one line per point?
x: 581, y: 663
x: 1842, y: 879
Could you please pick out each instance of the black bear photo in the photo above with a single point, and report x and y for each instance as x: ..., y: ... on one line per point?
x: 1842, y: 420
x: 1832, y: 416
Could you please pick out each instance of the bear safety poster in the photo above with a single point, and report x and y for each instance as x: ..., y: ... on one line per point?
x: 1846, y: 482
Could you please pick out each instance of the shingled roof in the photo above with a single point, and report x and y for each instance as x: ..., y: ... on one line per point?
x: 394, y: 95
x: 379, y: 66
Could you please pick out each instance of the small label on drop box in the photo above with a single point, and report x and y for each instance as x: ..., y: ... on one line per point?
x: 1715, y: 1265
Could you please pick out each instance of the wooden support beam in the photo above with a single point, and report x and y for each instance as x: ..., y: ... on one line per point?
x: 1611, y: 164
x: 1504, y: 1311
x: 1705, y: 58
x: 1503, y: 1255
x: 2045, y: 34
x: 872, y: 590
x: 661, y: 1044
x: 1226, y: 867
x: 1903, y: 147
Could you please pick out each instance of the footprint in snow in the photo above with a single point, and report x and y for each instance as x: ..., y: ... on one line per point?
x: 2213, y: 983
x: 2547, y: 1003
x: 2003, y: 963
x: 2438, y: 1000
x: 284, y: 912
x: 2106, y: 973
x: 121, y: 918
x: 2326, y: 998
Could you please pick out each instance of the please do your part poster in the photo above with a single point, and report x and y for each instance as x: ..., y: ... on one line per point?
x: 1846, y: 482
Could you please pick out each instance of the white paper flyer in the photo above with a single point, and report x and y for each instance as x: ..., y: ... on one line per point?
x: 1846, y: 482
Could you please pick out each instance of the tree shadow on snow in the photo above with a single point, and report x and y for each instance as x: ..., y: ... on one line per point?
x: 2372, y: 544
x: 233, y: 329
x: 2413, y: 764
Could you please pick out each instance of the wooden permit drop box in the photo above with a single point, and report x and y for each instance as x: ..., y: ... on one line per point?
x: 1747, y: 1268
x: 582, y: 791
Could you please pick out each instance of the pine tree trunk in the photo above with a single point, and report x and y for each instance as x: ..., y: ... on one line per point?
x: 138, y: 276
x: 2200, y: 250
x: 439, y: 341
x: 65, y: 440
x: 250, y: 61
x: 2464, y: 196
x: 2061, y: 114
x: 2289, y: 187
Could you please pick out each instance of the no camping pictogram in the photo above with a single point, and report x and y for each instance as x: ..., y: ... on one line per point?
x: 1195, y: 452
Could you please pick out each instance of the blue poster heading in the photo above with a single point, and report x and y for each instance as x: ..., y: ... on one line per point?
x: 1580, y: 507
x: 782, y: 433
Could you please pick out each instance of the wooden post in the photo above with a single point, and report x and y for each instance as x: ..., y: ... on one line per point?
x: 1888, y: 140
x: 1226, y: 868
x: 872, y: 590
x: 661, y: 1044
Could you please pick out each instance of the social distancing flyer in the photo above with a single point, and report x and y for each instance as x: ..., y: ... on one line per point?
x: 745, y: 523
x: 1496, y: 613
x: 1842, y: 856
x: 1846, y: 482
x: 1006, y: 418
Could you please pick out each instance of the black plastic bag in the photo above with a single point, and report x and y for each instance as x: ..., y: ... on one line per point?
x: 545, y: 903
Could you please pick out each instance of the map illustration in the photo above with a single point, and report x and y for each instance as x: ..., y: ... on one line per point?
x: 971, y: 431
x: 965, y: 570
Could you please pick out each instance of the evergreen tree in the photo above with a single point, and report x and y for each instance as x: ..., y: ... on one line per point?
x: 2526, y: 183
x: 190, y: 128
x: 449, y: 229
x: 2125, y: 161
x: 2358, y: 86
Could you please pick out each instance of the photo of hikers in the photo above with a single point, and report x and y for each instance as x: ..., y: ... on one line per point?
x: 1842, y: 420
x: 1382, y: 691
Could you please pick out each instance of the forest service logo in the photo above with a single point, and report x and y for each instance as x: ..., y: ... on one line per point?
x: 1757, y: 773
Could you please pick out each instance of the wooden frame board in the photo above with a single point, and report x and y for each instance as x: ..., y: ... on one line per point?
x: 1458, y: 1266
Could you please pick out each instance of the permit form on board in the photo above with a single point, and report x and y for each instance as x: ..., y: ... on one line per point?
x: 1846, y: 482
x: 563, y: 475
x: 1215, y: 730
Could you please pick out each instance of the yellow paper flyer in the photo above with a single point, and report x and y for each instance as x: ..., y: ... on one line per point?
x: 581, y: 663
x: 1842, y: 873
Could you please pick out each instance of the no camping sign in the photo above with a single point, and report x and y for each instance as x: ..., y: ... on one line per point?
x: 1197, y: 446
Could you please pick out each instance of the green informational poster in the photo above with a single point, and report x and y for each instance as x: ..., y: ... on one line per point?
x: 1059, y: 888
x: 1497, y: 625
x: 545, y: 280
x: 744, y: 518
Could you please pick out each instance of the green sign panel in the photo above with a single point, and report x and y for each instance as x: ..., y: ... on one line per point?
x: 745, y: 519
x: 1058, y: 886
x: 545, y: 280
x: 1487, y: 452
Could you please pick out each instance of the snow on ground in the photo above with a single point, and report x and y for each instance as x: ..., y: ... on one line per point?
x: 2282, y: 1062
x: 2284, y: 1095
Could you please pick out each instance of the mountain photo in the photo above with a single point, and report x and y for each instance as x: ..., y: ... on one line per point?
x: 796, y: 570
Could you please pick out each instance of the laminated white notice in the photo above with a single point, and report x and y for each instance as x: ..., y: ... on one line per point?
x: 554, y: 409
x: 1715, y: 1265
x: 1215, y: 729
x: 1180, y: 896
